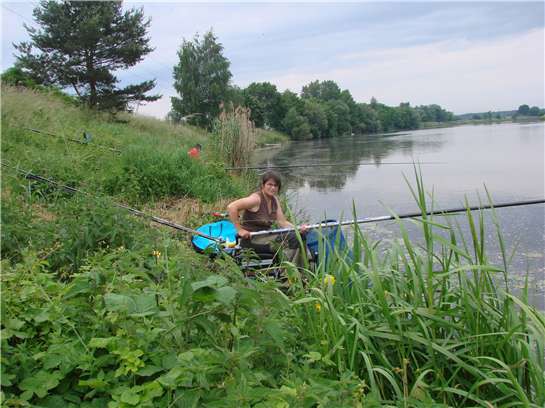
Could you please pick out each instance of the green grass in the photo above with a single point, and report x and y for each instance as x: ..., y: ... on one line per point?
x: 153, y: 162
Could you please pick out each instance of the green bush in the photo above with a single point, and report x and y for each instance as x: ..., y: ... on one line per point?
x: 87, y: 226
x: 148, y: 174
x: 21, y: 229
x: 77, y: 228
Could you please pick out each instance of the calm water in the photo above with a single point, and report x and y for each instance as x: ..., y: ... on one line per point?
x: 509, y: 159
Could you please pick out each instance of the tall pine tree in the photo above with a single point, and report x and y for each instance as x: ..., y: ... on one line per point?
x: 79, y: 45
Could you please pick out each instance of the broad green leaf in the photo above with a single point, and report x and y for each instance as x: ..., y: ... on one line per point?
x: 205, y: 294
x: 41, y: 317
x: 100, y: 342
x: 226, y: 295
x: 186, y: 356
x: 145, y: 304
x: 275, y: 330
x: 5, y: 378
x: 93, y: 383
x: 77, y: 287
x: 169, y: 379
x: 119, y: 303
x: 140, y: 305
x: 214, y: 281
x: 148, y: 370
x: 151, y: 390
x: 14, y: 324
x: 41, y: 382
x: 130, y: 397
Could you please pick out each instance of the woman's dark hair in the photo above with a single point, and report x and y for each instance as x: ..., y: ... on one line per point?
x: 271, y: 175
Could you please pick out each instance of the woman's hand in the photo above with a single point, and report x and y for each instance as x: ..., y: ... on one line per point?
x: 242, y: 233
x: 303, y: 229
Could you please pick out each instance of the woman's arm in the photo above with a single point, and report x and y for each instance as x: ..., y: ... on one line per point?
x: 234, y: 209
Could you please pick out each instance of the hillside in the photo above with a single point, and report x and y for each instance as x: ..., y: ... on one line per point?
x: 99, y: 309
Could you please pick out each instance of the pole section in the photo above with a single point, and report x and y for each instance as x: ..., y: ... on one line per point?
x: 401, y: 216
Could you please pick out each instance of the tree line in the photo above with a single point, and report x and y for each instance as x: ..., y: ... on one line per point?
x: 202, y: 79
x: 79, y: 46
x: 525, y: 110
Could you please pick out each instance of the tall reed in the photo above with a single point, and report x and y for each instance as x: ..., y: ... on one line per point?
x: 235, y: 135
x: 425, y: 324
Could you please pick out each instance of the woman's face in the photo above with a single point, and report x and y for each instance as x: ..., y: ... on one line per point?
x: 270, y: 188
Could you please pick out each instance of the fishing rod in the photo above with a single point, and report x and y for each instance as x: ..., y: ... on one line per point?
x: 133, y: 211
x: 401, y: 216
x: 86, y: 136
x: 292, y: 166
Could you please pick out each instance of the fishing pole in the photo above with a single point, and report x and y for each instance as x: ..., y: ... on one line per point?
x: 292, y: 166
x: 86, y: 136
x: 401, y: 216
x: 134, y: 211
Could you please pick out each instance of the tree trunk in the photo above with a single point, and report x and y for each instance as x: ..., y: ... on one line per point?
x: 91, y: 77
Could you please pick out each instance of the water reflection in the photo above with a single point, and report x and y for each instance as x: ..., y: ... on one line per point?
x: 346, y: 155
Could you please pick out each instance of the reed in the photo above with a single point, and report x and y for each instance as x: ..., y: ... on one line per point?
x: 235, y: 135
x: 430, y: 323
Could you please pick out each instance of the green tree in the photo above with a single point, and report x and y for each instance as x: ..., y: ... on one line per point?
x: 534, y: 111
x: 325, y: 90
x: 17, y: 77
x: 201, y: 80
x: 296, y: 125
x: 264, y: 100
x: 523, y: 110
x: 80, y: 44
x: 407, y: 117
x: 288, y: 100
x: 434, y: 113
x: 338, y: 118
x: 316, y: 117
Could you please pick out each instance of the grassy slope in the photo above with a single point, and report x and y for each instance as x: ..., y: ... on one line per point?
x: 153, y: 163
x: 100, y: 310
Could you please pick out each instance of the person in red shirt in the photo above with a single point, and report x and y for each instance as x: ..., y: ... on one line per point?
x: 195, y: 151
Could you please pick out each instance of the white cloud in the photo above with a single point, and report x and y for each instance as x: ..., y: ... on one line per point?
x: 458, y: 75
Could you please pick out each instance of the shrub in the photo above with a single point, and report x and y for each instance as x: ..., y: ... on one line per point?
x: 148, y: 174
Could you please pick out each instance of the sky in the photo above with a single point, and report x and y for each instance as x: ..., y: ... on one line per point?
x: 464, y: 56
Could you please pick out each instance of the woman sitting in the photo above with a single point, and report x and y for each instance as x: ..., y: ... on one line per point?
x: 260, y: 210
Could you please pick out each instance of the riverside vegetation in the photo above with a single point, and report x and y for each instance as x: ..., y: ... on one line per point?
x: 100, y: 310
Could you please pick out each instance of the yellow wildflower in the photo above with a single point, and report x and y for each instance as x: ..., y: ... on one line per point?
x: 329, y: 280
x: 317, y: 306
x: 156, y: 253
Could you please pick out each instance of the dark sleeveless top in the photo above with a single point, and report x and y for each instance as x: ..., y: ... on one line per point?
x: 261, y: 219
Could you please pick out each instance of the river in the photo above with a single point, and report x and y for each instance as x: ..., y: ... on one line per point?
x: 456, y: 164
